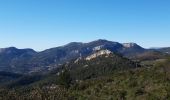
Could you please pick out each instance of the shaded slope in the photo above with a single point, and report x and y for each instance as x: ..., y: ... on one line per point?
x: 14, y: 60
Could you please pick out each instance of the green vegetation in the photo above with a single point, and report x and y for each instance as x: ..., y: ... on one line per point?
x: 106, y: 77
x: 150, y: 83
x: 64, y: 78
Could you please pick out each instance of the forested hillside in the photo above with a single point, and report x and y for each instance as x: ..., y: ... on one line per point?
x: 107, y: 77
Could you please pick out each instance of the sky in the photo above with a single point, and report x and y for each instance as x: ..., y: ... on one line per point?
x: 43, y: 24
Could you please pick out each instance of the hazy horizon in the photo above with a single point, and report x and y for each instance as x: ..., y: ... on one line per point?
x: 43, y: 24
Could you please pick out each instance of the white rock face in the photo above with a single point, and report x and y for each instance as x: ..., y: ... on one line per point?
x: 98, y: 48
x: 128, y: 45
x: 99, y: 53
x: 77, y: 60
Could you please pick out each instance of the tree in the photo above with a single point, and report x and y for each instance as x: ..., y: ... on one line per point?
x: 64, y: 78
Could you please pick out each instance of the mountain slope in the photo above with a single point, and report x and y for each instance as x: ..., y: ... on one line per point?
x: 13, y: 59
x: 28, y: 61
x: 144, y: 83
x: 59, y: 55
x: 8, y: 76
x: 165, y: 50
x: 131, y: 49
x: 101, y: 63
x: 150, y: 55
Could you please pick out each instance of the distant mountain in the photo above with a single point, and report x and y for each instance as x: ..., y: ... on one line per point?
x: 13, y: 59
x: 28, y: 61
x: 74, y: 50
x: 150, y: 55
x: 165, y: 50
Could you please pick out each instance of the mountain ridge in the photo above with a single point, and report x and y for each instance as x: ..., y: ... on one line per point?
x: 28, y: 60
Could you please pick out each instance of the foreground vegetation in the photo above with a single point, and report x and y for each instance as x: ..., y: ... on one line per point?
x: 144, y: 83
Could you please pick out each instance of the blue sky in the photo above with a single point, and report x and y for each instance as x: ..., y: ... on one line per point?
x: 42, y: 24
